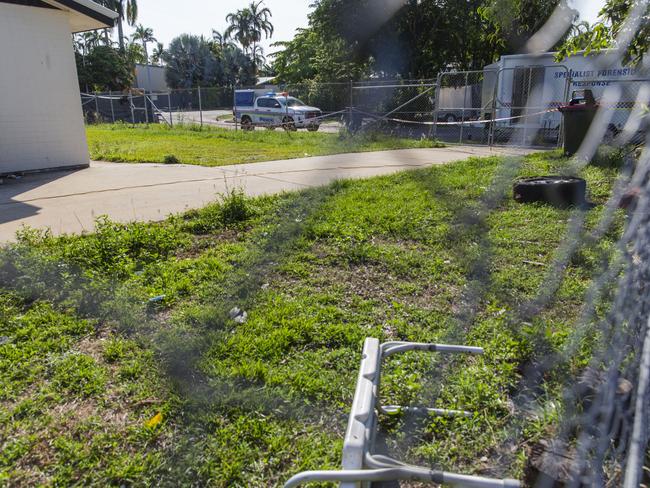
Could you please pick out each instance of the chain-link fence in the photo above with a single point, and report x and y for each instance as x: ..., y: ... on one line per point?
x: 116, y: 106
x: 402, y: 107
x: 514, y: 106
x: 628, y: 100
x: 462, y: 99
x: 524, y: 105
x: 204, y: 106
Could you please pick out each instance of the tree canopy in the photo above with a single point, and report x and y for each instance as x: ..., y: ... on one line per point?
x: 104, y: 68
x: 247, y: 26
x: 195, y: 61
x: 349, y: 39
x: 612, y: 24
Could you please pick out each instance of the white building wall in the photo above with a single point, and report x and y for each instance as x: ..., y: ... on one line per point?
x: 41, y: 123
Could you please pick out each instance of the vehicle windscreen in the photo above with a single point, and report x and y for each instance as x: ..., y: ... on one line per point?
x: 291, y: 101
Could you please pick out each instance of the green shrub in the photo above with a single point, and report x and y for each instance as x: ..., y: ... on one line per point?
x: 119, y: 249
x: 235, y: 208
x: 609, y: 157
x: 171, y: 159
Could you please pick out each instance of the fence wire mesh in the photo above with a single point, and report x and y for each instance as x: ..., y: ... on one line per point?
x: 508, y: 106
x: 404, y: 108
x: 462, y: 100
x: 601, y: 424
x: 525, y: 102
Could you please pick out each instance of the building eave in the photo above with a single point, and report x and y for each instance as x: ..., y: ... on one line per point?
x: 85, y: 15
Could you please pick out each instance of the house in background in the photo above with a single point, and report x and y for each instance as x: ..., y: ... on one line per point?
x: 151, y: 78
x: 41, y: 123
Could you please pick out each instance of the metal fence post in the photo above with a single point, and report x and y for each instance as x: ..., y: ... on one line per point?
x: 234, y: 105
x: 110, y: 98
x: 495, y: 94
x: 200, y: 106
x: 436, y: 105
x: 146, y: 110
x: 462, y: 111
x: 96, y: 108
x: 169, y: 108
x: 131, y: 105
x: 351, y: 115
x: 525, y: 109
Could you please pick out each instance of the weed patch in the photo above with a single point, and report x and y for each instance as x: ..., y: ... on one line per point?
x: 103, y: 332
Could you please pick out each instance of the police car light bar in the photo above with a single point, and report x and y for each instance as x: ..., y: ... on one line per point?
x: 360, y: 465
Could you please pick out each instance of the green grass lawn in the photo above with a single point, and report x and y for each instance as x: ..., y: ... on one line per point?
x: 120, y: 365
x: 219, y: 147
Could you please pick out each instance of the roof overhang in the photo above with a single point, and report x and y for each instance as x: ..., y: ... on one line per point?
x: 84, y: 15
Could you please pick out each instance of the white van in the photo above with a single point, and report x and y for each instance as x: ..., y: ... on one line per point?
x: 530, y: 88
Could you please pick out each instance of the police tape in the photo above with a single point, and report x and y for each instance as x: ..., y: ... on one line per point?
x: 462, y: 122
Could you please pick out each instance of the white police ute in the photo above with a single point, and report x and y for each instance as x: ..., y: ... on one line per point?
x: 272, y: 110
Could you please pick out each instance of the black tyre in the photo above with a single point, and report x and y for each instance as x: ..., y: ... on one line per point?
x: 246, y: 123
x: 313, y: 128
x: 288, y: 124
x: 450, y: 118
x: 559, y: 191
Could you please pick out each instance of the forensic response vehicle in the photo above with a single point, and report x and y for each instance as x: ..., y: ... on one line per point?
x: 269, y: 109
x: 522, y: 92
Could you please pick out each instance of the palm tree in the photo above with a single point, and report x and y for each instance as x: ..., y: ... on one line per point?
x: 240, y: 28
x: 127, y: 10
x: 247, y: 27
x: 221, y: 39
x: 145, y: 35
x: 259, y: 24
x: 258, y: 57
x: 158, y: 53
x: 91, y: 39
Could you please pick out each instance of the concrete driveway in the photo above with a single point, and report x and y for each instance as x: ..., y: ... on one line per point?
x: 69, y: 202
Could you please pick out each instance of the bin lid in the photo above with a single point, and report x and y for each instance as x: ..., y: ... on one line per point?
x: 580, y: 100
x: 578, y: 107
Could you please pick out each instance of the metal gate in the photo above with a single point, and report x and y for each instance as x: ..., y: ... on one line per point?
x: 509, y: 106
x: 524, y: 105
x: 461, y: 102
x: 513, y: 106
x: 402, y: 108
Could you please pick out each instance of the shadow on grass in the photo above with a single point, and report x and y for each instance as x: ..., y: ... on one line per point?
x: 181, y: 347
x: 468, y: 236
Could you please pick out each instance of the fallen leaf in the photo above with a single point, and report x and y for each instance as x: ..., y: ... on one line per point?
x: 154, y: 421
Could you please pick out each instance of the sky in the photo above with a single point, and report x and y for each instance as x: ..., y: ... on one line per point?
x: 588, y: 8
x: 169, y: 18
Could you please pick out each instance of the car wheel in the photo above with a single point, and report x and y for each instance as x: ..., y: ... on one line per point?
x: 450, y: 118
x: 559, y: 191
x: 246, y: 123
x: 288, y: 124
x: 313, y: 128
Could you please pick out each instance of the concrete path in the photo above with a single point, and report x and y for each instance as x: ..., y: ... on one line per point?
x: 69, y: 202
